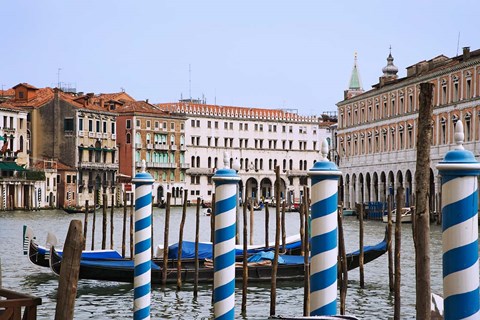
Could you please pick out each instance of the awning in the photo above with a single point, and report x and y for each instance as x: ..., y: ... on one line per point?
x: 11, y: 166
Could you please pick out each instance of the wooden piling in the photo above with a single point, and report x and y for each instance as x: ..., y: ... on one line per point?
x: 360, y: 210
x: 398, y: 236
x: 251, y: 221
x: 197, y: 237
x: 212, y: 237
x: 104, y: 222
x: 132, y: 219
x: 111, y: 223
x: 180, y: 241
x: 0, y: 272
x: 306, y: 256
x: 124, y: 230
x: 67, y: 283
x: 389, y: 244
x: 85, y: 225
x: 152, y: 247
x: 245, y: 264
x: 284, y: 234
x: 422, y: 195
x: 267, y: 218
x: 343, y: 262
x: 302, y: 230
x: 273, y: 286
x: 94, y: 218
x: 165, y: 240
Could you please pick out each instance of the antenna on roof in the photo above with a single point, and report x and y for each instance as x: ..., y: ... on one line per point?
x: 190, y: 81
x: 58, y: 78
x: 458, y: 42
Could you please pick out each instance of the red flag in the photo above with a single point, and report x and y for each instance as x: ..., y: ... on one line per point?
x: 5, y: 146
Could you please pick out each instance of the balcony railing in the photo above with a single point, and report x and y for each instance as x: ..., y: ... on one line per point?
x: 98, y: 165
x: 185, y: 165
x: 161, y: 147
x: 114, y: 136
x: 138, y: 145
x: 173, y: 147
x: 150, y: 146
x: 91, y: 134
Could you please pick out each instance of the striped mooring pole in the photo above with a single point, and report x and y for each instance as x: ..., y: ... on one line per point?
x: 143, y: 242
x: 459, y: 171
x: 226, y: 181
x: 324, y: 250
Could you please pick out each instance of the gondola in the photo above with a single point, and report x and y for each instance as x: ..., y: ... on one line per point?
x: 39, y: 255
x: 72, y: 209
x: 291, y: 268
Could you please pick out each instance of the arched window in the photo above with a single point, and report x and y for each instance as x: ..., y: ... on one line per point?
x: 138, y: 138
x: 198, y: 162
x: 21, y: 144
x: 209, y: 162
x: 193, y: 162
x: 128, y: 138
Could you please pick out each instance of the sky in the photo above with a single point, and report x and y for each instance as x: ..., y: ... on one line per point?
x: 252, y: 53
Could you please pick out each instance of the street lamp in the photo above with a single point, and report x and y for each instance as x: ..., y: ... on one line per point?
x: 236, y: 167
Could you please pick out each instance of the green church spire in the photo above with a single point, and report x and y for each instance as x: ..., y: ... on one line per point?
x: 355, y: 83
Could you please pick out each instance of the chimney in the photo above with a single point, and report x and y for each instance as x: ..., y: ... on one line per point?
x: 466, y: 53
x: 101, y: 103
x: 146, y: 100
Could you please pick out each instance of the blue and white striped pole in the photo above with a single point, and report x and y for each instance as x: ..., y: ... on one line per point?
x: 459, y: 171
x: 226, y: 181
x: 143, y: 242
x: 324, y: 252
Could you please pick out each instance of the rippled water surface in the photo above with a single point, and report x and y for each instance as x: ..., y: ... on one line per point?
x: 111, y: 300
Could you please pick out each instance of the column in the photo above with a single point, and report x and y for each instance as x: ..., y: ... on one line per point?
x: 459, y: 171
x: 143, y: 242
x: 226, y: 181
x: 323, y: 273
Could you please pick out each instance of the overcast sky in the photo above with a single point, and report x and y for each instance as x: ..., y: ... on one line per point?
x: 268, y: 54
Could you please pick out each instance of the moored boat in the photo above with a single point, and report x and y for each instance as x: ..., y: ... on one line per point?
x: 290, y: 268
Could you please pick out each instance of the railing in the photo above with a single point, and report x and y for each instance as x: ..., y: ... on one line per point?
x: 138, y: 145
x: 11, y: 308
x: 98, y: 165
x: 150, y: 146
x: 173, y: 147
x: 185, y: 165
x: 114, y: 136
x: 81, y: 133
x: 161, y: 147
x: 91, y: 134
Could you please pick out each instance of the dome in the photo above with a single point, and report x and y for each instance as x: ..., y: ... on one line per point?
x: 390, y: 69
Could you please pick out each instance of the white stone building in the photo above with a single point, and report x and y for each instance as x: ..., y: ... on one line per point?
x: 377, y: 129
x: 259, y: 139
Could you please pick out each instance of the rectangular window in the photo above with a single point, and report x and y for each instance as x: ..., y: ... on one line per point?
x: 138, y: 123
x: 225, y: 125
x: 129, y: 124
x: 113, y: 127
x: 148, y: 124
x: 68, y: 124
x: 193, y: 123
x: 80, y: 124
x: 246, y: 126
x: 209, y: 124
x: 172, y: 125
x: 231, y: 125
x: 216, y: 124
x: 90, y: 125
x: 104, y: 126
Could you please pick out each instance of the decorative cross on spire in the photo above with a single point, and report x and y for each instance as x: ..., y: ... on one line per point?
x: 459, y: 136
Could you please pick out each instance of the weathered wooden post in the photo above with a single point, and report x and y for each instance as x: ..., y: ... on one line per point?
x: 343, y: 261
x: 273, y: 286
x: 284, y: 234
x: 67, y: 283
x: 323, y: 274
x: 267, y: 218
x: 85, y: 225
x: 94, y: 218
x: 421, y: 216
x: 252, y: 219
x: 124, y: 230
x: 131, y: 226
x: 245, y: 262
x: 361, y: 258
x: 165, y: 239
x: 459, y: 171
x: 389, y: 244
x: 225, y: 181
x: 197, y: 236
x: 306, y: 256
x: 143, y: 260
x: 400, y: 202
x: 180, y: 241
x: 104, y: 222
x: 111, y: 222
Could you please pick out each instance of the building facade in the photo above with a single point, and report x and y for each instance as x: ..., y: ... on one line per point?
x: 158, y: 137
x: 377, y: 129
x: 259, y: 139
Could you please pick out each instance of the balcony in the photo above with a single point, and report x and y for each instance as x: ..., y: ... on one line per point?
x: 183, y: 148
x: 99, y: 135
x: 8, y: 129
x: 105, y: 136
x: 91, y: 134
x: 138, y: 145
x: 161, y: 147
x: 173, y: 147
x: 150, y: 146
x: 185, y: 165
x: 98, y: 165
x: 81, y: 133
x: 114, y: 136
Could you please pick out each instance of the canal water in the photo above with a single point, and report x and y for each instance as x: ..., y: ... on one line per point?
x: 111, y: 300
